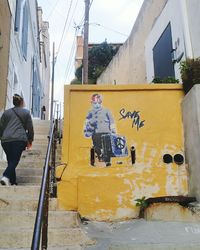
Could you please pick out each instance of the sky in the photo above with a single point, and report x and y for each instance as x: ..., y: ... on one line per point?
x: 109, y: 19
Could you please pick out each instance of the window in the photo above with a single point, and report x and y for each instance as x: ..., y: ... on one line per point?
x: 18, y: 15
x: 24, y: 39
x: 21, y: 24
x: 15, y: 85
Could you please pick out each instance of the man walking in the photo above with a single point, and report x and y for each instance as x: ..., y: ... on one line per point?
x: 16, y: 134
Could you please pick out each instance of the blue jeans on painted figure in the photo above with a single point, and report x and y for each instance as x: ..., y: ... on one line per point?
x: 13, y: 151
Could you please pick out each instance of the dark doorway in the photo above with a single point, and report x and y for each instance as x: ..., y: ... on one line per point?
x: 162, y: 55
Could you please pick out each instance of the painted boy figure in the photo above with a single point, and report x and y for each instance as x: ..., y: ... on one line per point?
x: 99, y: 122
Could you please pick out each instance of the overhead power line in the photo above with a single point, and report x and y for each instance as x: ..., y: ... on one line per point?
x: 53, y: 9
x: 71, y: 58
x: 61, y: 40
x: 72, y: 15
x: 108, y: 28
x: 67, y: 27
x: 82, y: 19
x: 91, y: 3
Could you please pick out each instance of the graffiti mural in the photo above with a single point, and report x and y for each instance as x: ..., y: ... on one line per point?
x: 100, y: 126
x: 134, y: 116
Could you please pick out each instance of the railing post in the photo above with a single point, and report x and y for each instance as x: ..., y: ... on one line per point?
x: 53, y: 188
x: 45, y: 216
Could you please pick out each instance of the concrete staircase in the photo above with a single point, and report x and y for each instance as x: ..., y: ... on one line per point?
x: 18, y: 204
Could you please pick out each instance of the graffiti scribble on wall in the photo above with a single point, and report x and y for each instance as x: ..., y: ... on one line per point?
x: 100, y: 126
x: 134, y: 116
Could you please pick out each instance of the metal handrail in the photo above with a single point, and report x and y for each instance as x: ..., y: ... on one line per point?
x: 41, y: 220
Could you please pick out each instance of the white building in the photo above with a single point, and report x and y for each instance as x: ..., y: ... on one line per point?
x: 28, y: 58
x: 174, y: 37
x: 44, y: 64
x: 165, y: 33
x: 24, y: 75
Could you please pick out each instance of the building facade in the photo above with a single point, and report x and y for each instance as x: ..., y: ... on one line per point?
x: 44, y: 65
x: 164, y: 34
x: 24, y: 73
x: 24, y: 57
x: 5, y: 21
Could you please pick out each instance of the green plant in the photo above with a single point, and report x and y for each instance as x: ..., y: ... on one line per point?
x: 99, y: 57
x: 169, y: 79
x: 190, y: 73
x: 142, y: 203
x: 75, y: 82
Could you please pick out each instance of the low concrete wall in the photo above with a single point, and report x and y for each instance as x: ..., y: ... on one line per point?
x: 171, y: 212
x: 191, y: 123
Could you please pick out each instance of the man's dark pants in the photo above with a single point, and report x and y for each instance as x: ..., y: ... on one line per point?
x: 13, y: 151
x: 98, y: 147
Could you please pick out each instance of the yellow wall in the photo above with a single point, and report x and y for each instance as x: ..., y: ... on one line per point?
x: 109, y: 193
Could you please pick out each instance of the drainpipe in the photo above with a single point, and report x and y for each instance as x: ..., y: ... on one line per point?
x: 186, y: 29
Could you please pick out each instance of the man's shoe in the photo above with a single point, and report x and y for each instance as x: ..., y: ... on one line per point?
x: 14, y: 184
x: 5, y: 181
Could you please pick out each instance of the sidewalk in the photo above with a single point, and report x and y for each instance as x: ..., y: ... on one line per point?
x: 141, y: 234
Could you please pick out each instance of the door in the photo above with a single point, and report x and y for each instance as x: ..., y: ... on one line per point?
x: 162, y: 55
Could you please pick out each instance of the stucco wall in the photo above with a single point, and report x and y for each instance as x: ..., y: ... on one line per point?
x: 108, y: 193
x: 18, y: 66
x: 129, y: 66
x: 45, y: 61
x: 5, y: 19
x: 191, y: 123
x: 193, y: 7
x: 175, y: 18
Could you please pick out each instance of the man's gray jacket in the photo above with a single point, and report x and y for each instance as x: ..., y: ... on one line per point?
x: 12, y: 129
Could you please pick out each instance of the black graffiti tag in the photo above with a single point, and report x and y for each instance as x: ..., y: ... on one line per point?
x: 135, y: 116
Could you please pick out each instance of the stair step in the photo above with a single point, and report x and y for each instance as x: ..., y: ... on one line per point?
x: 37, y: 145
x: 40, y: 137
x: 58, y: 237
x: 26, y: 171
x: 26, y: 177
x: 26, y: 157
x: 26, y: 219
x: 28, y: 184
x: 29, y: 179
x: 43, y: 149
x: 19, y: 192
x: 9, y: 204
x: 75, y: 247
x: 41, y: 124
x: 31, y: 152
x: 29, y: 171
x: 34, y: 158
x: 25, y: 163
x: 30, y: 164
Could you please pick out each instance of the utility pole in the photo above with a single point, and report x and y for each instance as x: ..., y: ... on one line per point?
x: 85, y: 45
x: 52, y: 82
